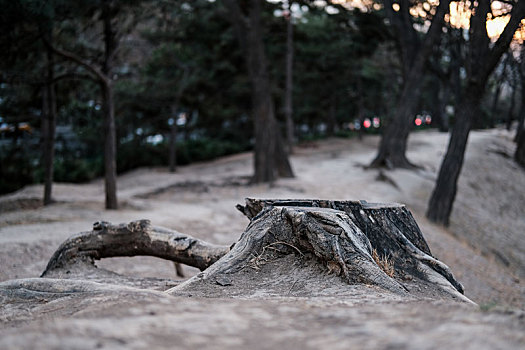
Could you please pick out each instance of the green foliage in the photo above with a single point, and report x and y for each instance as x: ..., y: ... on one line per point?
x: 205, y: 149
x: 78, y: 170
x: 179, y: 57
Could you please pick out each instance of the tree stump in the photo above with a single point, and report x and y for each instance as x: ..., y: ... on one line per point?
x: 290, y: 247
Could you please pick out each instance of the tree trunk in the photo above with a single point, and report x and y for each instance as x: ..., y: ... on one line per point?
x: 392, y: 149
x: 270, y: 157
x: 481, y: 63
x: 49, y: 102
x: 173, y: 141
x: 110, y: 145
x: 442, y: 199
x: 288, y: 102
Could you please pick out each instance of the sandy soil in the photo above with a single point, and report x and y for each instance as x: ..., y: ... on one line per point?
x: 484, y: 246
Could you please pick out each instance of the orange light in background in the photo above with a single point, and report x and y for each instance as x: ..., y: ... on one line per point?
x: 460, y: 13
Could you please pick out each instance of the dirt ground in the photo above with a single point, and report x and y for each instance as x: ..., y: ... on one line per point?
x: 484, y: 246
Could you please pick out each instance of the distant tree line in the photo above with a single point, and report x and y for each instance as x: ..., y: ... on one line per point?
x: 91, y: 88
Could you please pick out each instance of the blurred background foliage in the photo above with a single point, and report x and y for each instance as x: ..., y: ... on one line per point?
x: 346, y: 71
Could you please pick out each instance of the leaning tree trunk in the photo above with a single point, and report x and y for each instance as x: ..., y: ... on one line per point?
x: 444, y: 193
x: 364, y: 244
x: 482, y: 60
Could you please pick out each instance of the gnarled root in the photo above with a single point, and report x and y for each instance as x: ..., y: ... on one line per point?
x: 136, y: 238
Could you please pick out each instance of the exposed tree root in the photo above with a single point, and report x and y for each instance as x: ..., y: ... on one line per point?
x: 136, y: 238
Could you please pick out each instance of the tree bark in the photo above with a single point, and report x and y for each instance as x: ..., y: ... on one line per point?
x: 136, y: 238
x: 49, y: 107
x: 270, y: 157
x: 344, y: 237
x: 392, y: 149
x: 481, y: 61
x: 110, y: 144
x: 442, y: 198
x: 288, y: 97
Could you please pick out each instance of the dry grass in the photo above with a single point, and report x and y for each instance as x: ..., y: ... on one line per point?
x: 386, y: 264
x: 259, y: 259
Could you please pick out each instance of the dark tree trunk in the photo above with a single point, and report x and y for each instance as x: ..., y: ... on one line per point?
x: 288, y: 102
x: 392, y: 149
x: 442, y: 199
x: 173, y: 141
x: 110, y: 145
x: 49, y: 107
x: 270, y: 158
x: 481, y: 63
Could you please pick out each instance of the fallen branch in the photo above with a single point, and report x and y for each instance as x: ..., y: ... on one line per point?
x: 136, y: 238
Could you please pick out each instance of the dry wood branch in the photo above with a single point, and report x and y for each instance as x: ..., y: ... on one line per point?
x: 136, y: 238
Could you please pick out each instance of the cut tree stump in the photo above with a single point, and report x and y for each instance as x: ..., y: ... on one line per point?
x: 290, y: 247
